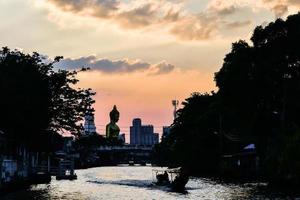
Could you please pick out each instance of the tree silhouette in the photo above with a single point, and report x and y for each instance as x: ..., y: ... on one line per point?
x: 193, y: 136
x: 257, y: 101
x: 37, y: 100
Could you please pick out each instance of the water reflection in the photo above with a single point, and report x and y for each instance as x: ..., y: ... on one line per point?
x: 136, y: 183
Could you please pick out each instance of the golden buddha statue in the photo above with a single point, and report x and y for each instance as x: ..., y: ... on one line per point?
x: 112, y: 129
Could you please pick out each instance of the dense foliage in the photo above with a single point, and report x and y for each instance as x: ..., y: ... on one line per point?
x: 185, y: 146
x: 37, y: 100
x: 257, y: 101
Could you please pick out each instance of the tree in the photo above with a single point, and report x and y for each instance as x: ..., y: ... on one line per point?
x: 68, y: 105
x: 261, y: 86
x: 38, y: 100
x: 237, y: 90
x: 193, y: 141
x: 258, y: 101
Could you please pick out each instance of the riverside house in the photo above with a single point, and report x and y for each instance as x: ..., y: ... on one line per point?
x: 17, y: 164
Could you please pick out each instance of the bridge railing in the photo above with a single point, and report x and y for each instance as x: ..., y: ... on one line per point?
x: 108, y: 148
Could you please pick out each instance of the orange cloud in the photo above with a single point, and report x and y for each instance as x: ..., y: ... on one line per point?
x: 168, y: 14
x: 280, y: 10
x: 199, y: 27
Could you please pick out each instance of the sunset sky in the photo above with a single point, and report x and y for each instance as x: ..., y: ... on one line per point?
x: 142, y: 53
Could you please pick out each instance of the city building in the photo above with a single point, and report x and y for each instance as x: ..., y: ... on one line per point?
x: 155, y: 138
x: 142, y: 134
x: 122, y: 137
x: 166, y: 131
x: 89, y: 124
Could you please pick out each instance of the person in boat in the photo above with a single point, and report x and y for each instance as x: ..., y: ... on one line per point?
x: 163, y: 179
x: 180, y: 180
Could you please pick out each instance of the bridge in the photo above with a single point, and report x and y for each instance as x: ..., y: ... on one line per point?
x: 113, y: 155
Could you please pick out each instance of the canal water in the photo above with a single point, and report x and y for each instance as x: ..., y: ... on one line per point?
x: 124, y: 182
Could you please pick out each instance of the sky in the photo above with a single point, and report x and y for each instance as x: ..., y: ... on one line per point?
x: 142, y: 53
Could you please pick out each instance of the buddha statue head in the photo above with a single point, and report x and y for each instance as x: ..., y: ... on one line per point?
x: 114, y: 115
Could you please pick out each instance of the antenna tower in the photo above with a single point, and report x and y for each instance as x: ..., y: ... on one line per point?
x: 175, y: 104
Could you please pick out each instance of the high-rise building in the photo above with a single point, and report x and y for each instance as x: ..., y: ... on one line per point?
x: 142, y: 134
x: 89, y: 124
x: 135, y: 131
